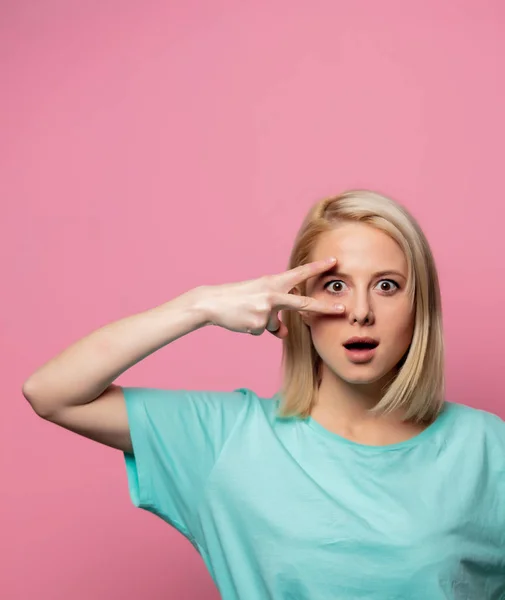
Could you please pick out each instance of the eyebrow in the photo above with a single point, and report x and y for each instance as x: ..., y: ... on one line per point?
x: 333, y: 272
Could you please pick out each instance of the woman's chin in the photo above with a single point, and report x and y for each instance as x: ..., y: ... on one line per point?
x: 361, y: 374
x: 361, y: 380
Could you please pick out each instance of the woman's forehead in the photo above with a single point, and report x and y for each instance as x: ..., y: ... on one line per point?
x: 360, y: 246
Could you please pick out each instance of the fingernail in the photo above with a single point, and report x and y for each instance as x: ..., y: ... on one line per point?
x: 330, y: 260
x: 339, y: 307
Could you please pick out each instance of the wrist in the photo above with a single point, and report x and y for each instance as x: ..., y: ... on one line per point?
x: 189, y: 311
x: 198, y: 303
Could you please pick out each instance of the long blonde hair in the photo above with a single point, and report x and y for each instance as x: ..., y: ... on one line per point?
x: 418, y: 386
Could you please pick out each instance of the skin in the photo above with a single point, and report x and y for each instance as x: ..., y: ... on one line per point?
x: 376, y: 306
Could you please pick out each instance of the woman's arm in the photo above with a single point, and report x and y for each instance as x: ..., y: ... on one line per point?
x: 84, y: 370
x: 75, y: 388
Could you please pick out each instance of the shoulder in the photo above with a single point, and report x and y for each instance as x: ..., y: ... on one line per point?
x: 201, y: 406
x: 477, y: 422
x: 262, y: 406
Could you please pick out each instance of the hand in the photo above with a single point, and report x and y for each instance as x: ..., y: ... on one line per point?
x: 252, y: 306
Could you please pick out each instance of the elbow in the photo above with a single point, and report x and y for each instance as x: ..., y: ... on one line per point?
x: 33, y: 397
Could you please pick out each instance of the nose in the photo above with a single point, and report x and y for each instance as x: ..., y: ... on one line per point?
x: 360, y: 309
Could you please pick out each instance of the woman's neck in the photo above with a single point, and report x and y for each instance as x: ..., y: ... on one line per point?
x: 343, y: 408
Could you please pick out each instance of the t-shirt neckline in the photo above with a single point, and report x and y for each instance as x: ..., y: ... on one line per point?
x: 413, y: 441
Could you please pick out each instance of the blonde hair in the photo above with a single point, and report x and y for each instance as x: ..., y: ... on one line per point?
x: 418, y: 386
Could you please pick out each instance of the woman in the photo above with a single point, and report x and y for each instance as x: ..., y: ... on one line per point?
x: 357, y: 480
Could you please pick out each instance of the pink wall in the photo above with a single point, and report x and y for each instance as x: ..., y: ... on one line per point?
x: 148, y: 147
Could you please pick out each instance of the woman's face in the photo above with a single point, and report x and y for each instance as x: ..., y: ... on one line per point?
x: 370, y: 280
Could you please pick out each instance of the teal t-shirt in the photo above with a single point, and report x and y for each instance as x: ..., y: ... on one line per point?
x: 284, y: 509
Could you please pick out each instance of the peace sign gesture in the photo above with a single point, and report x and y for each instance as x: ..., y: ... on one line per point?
x: 252, y: 306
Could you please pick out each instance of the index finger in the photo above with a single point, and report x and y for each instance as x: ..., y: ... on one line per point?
x: 301, y: 273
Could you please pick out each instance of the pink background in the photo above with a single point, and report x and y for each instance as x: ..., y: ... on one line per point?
x: 148, y: 147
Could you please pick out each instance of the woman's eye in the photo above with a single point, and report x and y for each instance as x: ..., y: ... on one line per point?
x: 335, y: 285
x: 388, y: 285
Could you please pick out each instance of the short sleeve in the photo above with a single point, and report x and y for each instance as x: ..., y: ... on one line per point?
x: 177, y: 436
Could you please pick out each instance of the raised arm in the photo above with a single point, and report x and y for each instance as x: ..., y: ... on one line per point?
x: 75, y: 389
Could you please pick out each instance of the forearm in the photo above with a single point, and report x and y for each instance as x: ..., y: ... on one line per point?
x: 81, y: 372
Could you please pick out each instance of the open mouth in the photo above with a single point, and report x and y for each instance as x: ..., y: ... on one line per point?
x: 368, y: 345
x: 360, y: 350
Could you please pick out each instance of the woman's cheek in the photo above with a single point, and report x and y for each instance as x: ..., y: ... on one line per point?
x: 402, y: 321
x: 400, y: 309
x: 325, y: 327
